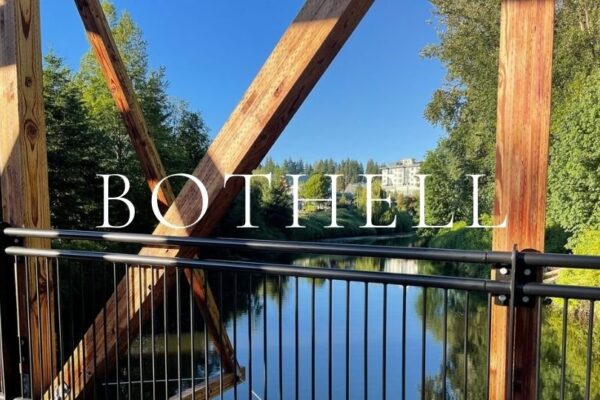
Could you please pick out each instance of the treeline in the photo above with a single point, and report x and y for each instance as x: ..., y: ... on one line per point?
x: 349, y: 169
x: 272, y: 204
x: 465, y: 107
x: 86, y: 136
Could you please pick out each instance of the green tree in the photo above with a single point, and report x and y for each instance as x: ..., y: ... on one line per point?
x: 179, y: 134
x: 372, y: 167
x: 71, y: 171
x: 277, y: 204
x: 465, y: 107
x: 574, y: 178
x: 350, y: 171
x: 317, y: 186
x: 190, y: 138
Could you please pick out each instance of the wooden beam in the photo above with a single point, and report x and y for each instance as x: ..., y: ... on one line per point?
x: 121, y: 88
x: 24, y: 174
x: 214, y: 387
x: 521, y: 170
x: 126, y: 101
x: 289, y: 74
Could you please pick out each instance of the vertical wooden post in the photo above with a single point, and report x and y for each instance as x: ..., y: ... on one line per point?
x: 525, y: 79
x: 23, y: 172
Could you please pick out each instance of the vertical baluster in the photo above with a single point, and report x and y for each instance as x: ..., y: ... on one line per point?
x: 404, y: 289
x: 82, y: 332
x: 280, y: 335
x: 116, y: 331
x: 297, y: 344
x: 347, y: 340
x: 590, y: 343
x: 466, y: 347
x: 488, y: 345
x: 384, y: 346
x: 250, y: 394
x: 206, y: 355
x: 312, y: 340
x: 49, y: 332
x: 40, y: 354
x: 128, y: 312
x: 153, y: 331
x: 221, y: 327
x: 28, y: 307
x: 563, y: 351
x: 192, y: 364
x: 366, y: 344
x: 166, y: 329
x: 105, y: 321
x: 141, y: 333
x: 445, y: 342
x: 538, y: 345
x: 235, y: 307
x: 178, y: 322
x: 423, y: 343
x: 60, y: 330
x: 330, y: 339
x: 265, y: 355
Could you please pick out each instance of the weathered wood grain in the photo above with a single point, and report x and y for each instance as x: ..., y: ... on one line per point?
x: 296, y: 64
x: 126, y: 101
x: 24, y: 173
x: 525, y: 79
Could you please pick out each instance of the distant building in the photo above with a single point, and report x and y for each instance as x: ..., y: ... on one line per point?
x: 401, y: 177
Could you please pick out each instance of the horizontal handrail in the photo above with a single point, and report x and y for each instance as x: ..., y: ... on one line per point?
x: 447, y: 282
x: 414, y: 253
x: 431, y: 281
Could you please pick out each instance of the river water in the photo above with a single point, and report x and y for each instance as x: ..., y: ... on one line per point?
x: 245, y: 310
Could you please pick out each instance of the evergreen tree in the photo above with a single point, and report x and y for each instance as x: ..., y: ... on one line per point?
x: 372, y: 168
x: 574, y: 175
x: 179, y: 134
x: 75, y: 151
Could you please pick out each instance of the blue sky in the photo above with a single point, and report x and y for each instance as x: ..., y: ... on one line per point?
x: 369, y: 104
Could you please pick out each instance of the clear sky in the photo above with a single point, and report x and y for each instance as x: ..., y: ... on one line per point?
x: 369, y: 104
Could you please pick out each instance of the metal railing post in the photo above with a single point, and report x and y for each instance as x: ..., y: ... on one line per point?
x: 10, y: 378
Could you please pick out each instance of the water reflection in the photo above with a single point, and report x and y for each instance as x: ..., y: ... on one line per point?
x: 300, y: 309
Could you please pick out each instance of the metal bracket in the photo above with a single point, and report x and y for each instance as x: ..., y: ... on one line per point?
x: 523, y: 275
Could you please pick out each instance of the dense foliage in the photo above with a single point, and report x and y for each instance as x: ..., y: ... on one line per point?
x: 466, y: 108
x: 87, y: 137
x: 271, y: 206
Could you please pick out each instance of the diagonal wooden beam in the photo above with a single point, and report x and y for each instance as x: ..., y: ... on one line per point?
x: 215, y: 387
x: 289, y: 74
x: 121, y: 88
x: 126, y: 101
x: 24, y: 175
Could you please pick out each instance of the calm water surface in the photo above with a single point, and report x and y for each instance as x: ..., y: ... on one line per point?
x: 246, y: 313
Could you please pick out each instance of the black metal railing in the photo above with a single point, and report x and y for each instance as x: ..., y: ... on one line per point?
x: 297, y: 332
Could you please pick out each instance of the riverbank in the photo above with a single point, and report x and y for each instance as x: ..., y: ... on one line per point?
x: 366, y: 238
